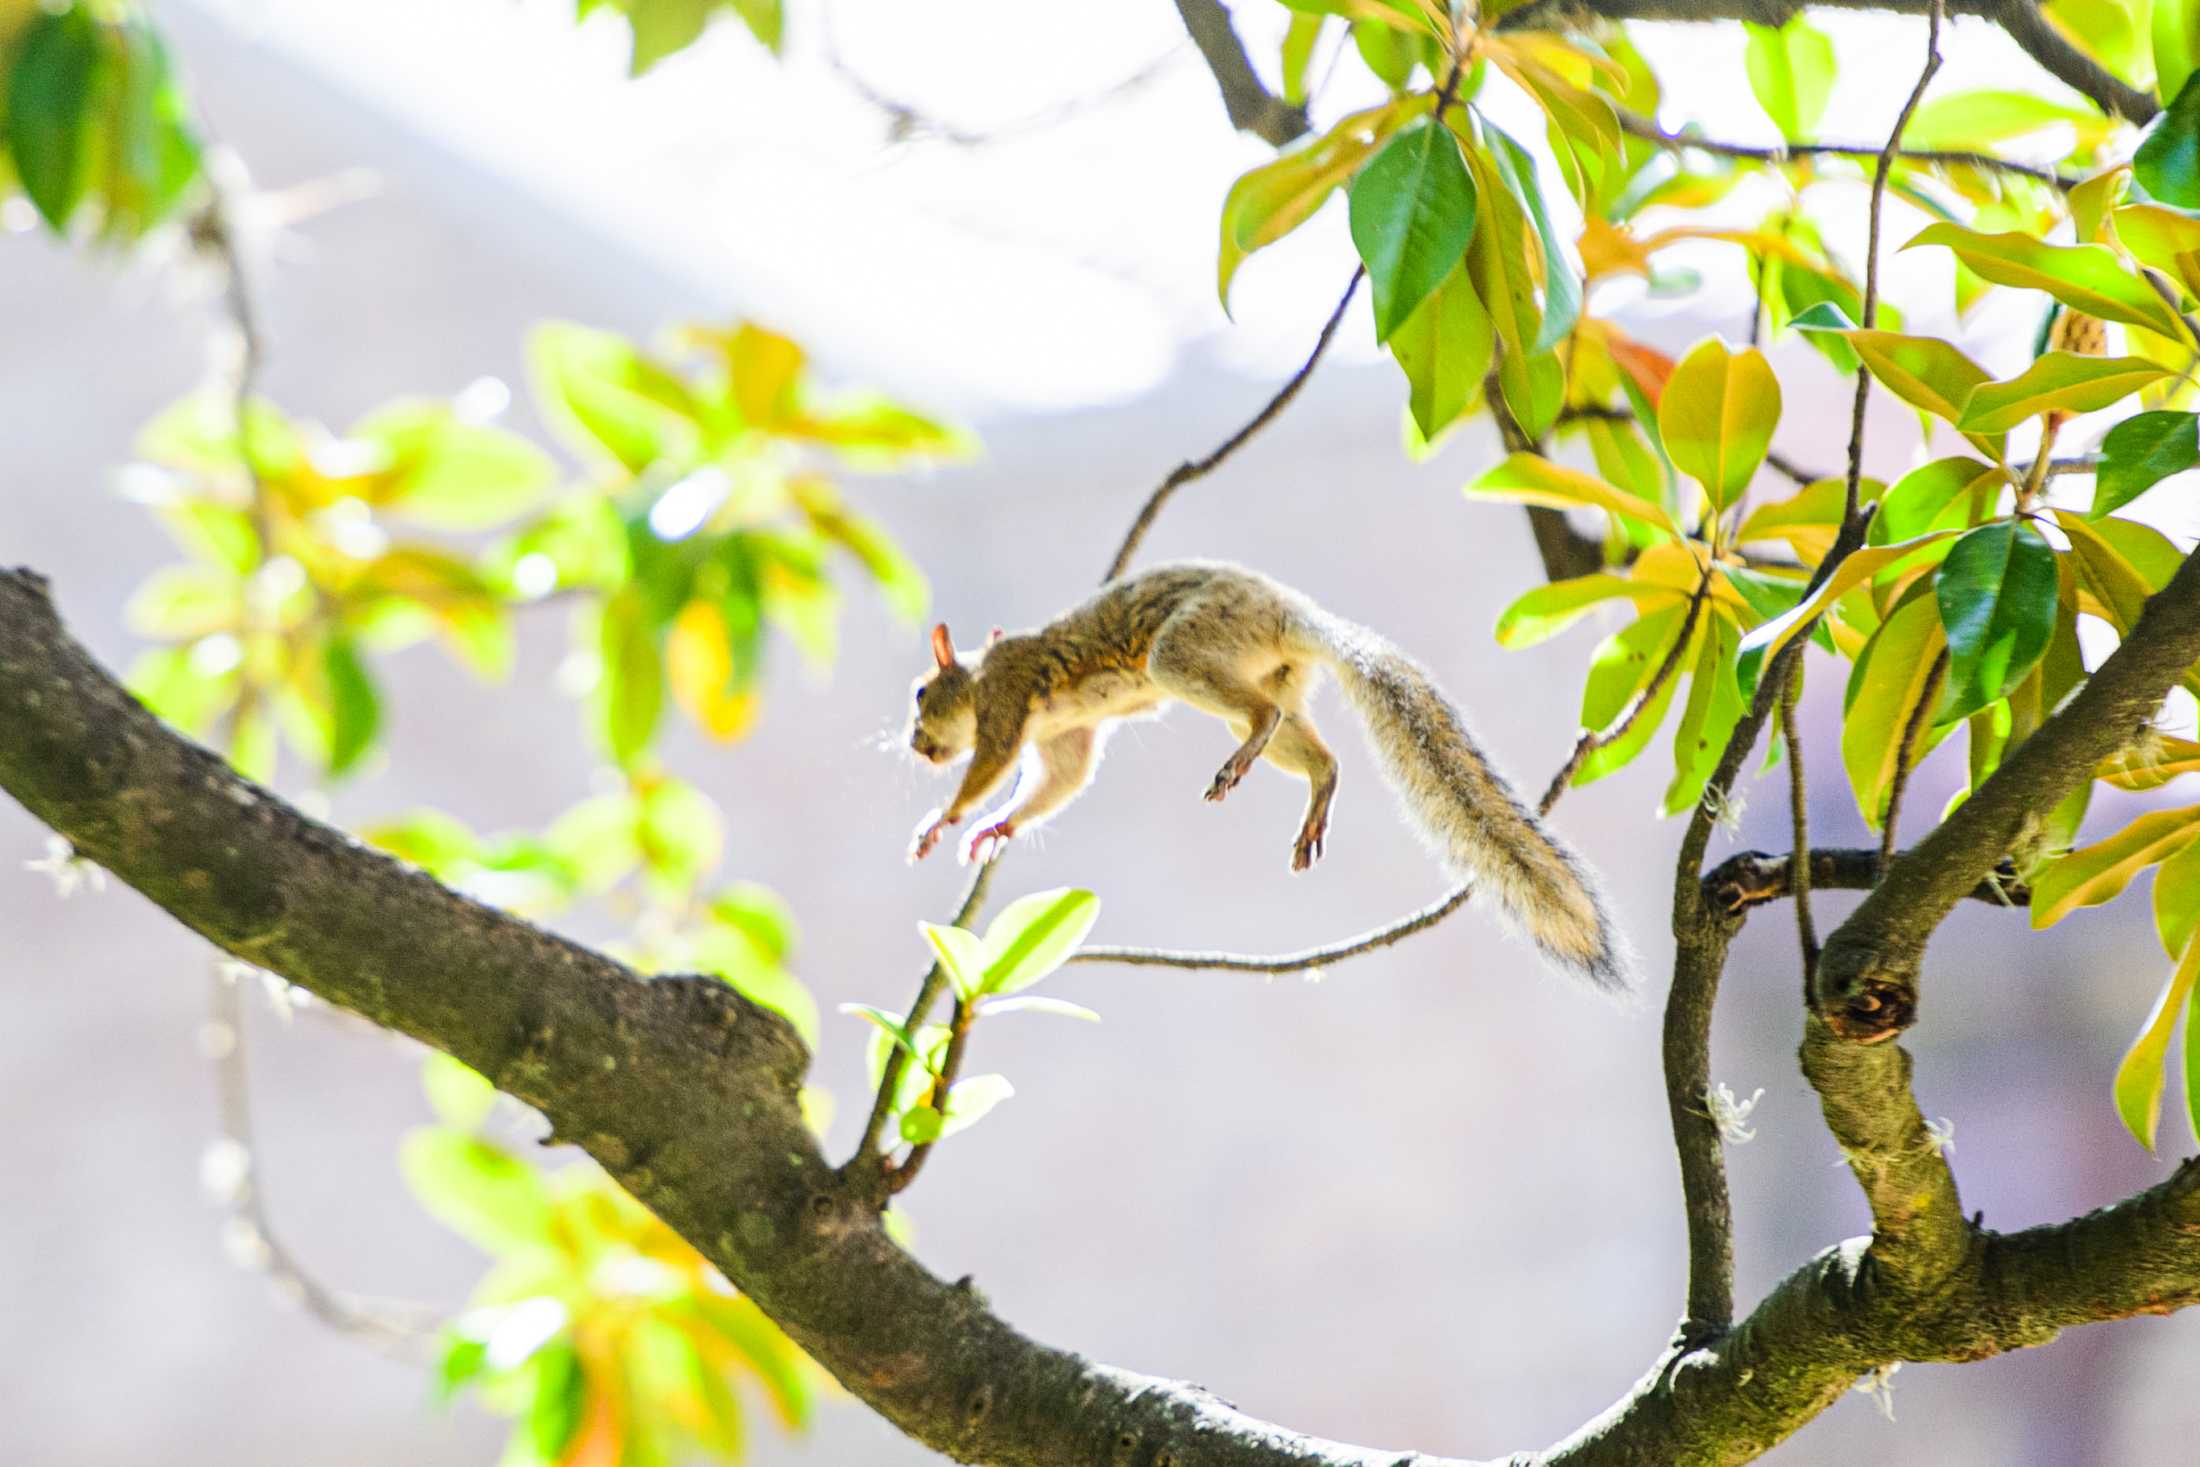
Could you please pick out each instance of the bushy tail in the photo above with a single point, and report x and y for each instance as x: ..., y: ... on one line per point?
x: 1466, y: 811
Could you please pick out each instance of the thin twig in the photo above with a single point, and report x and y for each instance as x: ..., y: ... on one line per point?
x: 907, y: 122
x: 1184, y: 473
x: 1642, y: 127
x: 1871, y: 248
x: 1906, y: 756
x: 928, y: 993
x: 1302, y: 961
x: 397, y: 1329
x: 943, y: 1085
x: 1806, y: 931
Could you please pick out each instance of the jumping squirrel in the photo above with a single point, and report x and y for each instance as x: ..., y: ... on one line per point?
x: 1234, y: 643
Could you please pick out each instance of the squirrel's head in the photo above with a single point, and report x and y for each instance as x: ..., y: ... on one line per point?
x: 943, y: 719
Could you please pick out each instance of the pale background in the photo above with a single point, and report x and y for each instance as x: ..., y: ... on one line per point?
x: 1429, y: 1202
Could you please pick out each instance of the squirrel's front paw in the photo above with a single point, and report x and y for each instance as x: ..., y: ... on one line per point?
x: 987, y: 842
x: 929, y: 831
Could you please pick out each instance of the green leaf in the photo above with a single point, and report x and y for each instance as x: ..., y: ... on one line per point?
x: 970, y: 1100
x: 1933, y: 496
x: 961, y: 955
x: 50, y: 119
x: 154, y: 154
x: 1624, y: 663
x: 2139, y: 453
x: 1707, y: 722
x: 1997, y: 591
x: 890, y: 1026
x: 1791, y: 70
x: 1884, y: 689
x: 332, y: 707
x: 184, y: 601
x: 1545, y: 610
x: 461, y: 1095
x: 1444, y: 348
x: 185, y: 687
x: 630, y: 693
x: 2060, y: 381
x: 1716, y: 417
x: 611, y: 402
x: 1961, y: 120
x: 766, y: 20
x: 1609, y: 758
x: 479, y: 1191
x: 1527, y: 478
x: 461, y: 1361
x: 2177, y: 899
x: 1412, y: 214
x: 2098, y: 873
x: 444, y: 472
x: 1034, y: 935
x: 2176, y: 39
x: 2086, y: 277
x: 2167, y: 164
x: 1767, y: 638
x: 681, y: 832
x: 1562, y: 285
x: 663, y: 27
x: 559, y: 1401
x: 2139, y: 1078
x: 1270, y: 201
x: 1299, y: 41
x: 1924, y: 371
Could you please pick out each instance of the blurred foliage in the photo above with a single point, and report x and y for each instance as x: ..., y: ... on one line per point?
x: 98, y: 134
x: 663, y: 27
x: 600, y: 1331
x: 704, y: 520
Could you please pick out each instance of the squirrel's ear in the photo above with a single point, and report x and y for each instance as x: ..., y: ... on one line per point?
x: 943, y: 648
x: 997, y: 635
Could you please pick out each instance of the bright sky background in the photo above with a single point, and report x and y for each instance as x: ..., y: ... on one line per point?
x: 1056, y: 267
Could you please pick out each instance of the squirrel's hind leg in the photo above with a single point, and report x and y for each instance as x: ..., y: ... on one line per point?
x: 1196, y: 672
x: 1297, y: 748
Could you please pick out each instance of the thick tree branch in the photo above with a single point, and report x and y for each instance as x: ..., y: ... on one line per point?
x: 2022, y: 19
x: 1867, y: 979
x: 1252, y: 107
x: 687, y: 1094
x: 1752, y: 878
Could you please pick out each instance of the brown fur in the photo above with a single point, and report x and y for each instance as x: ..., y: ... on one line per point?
x: 1235, y: 644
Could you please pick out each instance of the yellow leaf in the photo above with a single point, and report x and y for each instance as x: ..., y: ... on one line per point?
x: 1884, y: 691
x: 699, y: 666
x: 2139, y: 1077
x: 1527, y: 478
x: 2099, y: 872
x: 1717, y: 417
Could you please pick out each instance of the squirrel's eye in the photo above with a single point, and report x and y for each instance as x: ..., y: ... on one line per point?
x: 920, y: 697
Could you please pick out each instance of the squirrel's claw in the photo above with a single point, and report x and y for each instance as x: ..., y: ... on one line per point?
x: 929, y: 831
x: 987, y: 842
x: 1227, y: 777
x: 1308, y: 848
